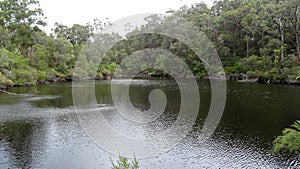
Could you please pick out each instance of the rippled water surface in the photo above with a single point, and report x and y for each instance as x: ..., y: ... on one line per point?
x: 40, y: 129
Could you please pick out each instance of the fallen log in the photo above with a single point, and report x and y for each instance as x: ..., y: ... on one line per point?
x: 9, y: 93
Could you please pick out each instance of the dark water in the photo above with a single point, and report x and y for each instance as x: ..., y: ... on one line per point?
x: 40, y: 129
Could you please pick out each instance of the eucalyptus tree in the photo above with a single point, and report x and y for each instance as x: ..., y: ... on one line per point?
x: 19, y: 18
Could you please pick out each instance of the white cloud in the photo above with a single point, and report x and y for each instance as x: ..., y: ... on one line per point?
x: 69, y: 12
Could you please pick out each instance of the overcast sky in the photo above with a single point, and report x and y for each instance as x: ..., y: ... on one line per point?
x: 69, y: 12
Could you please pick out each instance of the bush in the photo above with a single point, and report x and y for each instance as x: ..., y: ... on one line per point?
x: 254, y: 62
x: 288, y: 143
x: 238, y: 67
x: 254, y: 74
x: 107, y: 70
x: 201, y: 74
x: 5, y: 82
x: 294, y: 73
x: 123, y: 163
x: 274, y: 73
x: 24, y: 77
x: 41, y: 75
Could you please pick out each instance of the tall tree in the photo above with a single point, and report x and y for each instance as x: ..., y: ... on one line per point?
x: 20, y: 18
x: 77, y: 34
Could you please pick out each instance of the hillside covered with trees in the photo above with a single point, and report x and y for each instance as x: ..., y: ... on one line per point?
x: 257, y: 40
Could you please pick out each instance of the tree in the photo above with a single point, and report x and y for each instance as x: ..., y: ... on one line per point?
x: 292, y: 8
x: 20, y: 18
x: 77, y: 34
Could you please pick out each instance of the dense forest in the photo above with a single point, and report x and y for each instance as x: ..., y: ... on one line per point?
x: 257, y: 40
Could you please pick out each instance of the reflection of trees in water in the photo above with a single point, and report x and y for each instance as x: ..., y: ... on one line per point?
x: 18, y: 136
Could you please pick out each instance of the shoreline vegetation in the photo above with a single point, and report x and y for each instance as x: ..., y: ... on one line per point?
x: 125, y: 163
x: 257, y: 41
x: 288, y: 143
x: 242, y: 78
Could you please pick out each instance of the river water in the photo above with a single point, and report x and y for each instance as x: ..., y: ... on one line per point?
x: 40, y: 129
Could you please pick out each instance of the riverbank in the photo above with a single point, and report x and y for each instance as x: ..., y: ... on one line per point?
x: 243, y: 78
x: 6, y: 83
x: 259, y: 79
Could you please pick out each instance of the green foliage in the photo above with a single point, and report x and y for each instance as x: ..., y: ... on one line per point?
x: 294, y: 73
x: 123, y: 163
x: 17, y: 68
x: 288, y: 143
x: 20, y: 18
x: 41, y: 75
x: 246, y: 39
x: 4, y: 81
x: 254, y: 62
x: 24, y: 77
x: 77, y: 34
x: 238, y: 67
x: 107, y: 70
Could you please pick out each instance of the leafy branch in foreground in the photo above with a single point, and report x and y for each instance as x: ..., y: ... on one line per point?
x: 123, y: 163
x: 288, y: 143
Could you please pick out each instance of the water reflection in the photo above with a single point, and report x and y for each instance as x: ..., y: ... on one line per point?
x: 16, y: 137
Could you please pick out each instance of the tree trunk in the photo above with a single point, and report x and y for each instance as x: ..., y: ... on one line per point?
x: 281, y: 40
x: 298, y: 43
x: 247, y: 45
x: 9, y: 93
x: 296, y: 25
x: 297, y: 31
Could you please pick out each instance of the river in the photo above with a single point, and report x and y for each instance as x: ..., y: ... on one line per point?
x: 40, y: 129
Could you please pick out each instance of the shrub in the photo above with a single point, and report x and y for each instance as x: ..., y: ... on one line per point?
x: 254, y: 62
x: 41, y: 75
x: 254, y: 74
x: 288, y: 143
x: 24, y: 77
x: 5, y: 82
x: 123, y: 163
x: 238, y: 67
